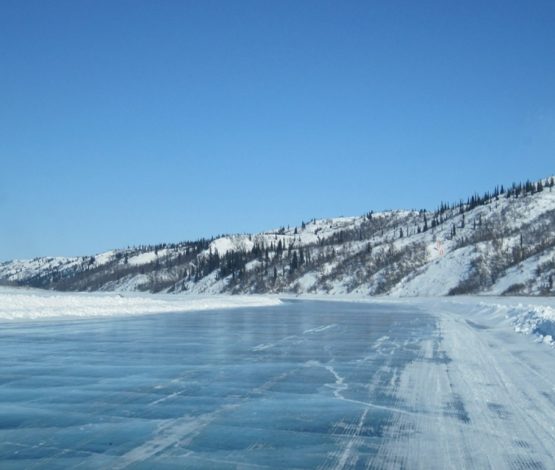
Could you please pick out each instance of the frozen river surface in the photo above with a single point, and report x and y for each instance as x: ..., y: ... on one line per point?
x: 301, y: 385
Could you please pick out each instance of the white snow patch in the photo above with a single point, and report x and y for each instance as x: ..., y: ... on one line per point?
x: 231, y: 243
x: 146, y: 258
x: 437, y: 277
x: 537, y: 320
x: 307, y: 281
x: 319, y: 329
x: 103, y: 258
x: 18, y: 304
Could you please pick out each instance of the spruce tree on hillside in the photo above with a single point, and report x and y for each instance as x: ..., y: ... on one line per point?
x: 294, y: 263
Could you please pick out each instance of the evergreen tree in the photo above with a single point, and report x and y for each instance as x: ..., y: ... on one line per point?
x: 294, y: 262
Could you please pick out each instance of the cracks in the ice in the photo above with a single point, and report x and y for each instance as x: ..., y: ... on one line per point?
x: 340, y: 386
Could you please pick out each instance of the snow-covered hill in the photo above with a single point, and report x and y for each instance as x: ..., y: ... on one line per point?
x: 500, y: 243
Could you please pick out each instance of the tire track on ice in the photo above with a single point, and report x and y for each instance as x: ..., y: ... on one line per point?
x: 349, y: 436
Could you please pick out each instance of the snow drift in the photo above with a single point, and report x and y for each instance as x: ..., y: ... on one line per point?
x: 35, y: 304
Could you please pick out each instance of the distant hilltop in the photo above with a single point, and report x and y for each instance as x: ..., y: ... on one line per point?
x: 501, y: 242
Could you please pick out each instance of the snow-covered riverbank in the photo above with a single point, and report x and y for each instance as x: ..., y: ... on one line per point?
x: 18, y: 303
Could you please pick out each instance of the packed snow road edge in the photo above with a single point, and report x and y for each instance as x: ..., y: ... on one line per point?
x: 16, y: 304
x: 526, y: 315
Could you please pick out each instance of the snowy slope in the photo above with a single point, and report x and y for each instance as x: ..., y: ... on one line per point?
x: 501, y: 243
x: 438, y: 276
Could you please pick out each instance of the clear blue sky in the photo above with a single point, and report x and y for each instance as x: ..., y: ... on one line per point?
x: 129, y: 122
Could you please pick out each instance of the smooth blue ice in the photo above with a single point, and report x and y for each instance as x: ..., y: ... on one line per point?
x: 283, y: 387
x: 323, y: 385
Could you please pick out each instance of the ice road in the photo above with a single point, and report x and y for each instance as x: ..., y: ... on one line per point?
x: 304, y: 384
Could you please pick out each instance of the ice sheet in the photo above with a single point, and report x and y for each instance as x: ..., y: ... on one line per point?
x: 305, y: 384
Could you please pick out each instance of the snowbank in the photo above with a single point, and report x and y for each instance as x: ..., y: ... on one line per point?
x: 18, y: 304
x: 529, y: 316
x: 538, y: 320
